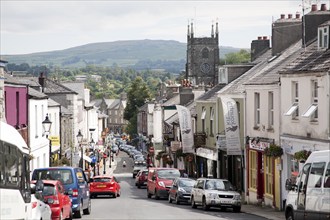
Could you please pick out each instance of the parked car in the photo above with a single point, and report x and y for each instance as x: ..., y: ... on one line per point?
x: 40, y: 210
x: 141, y: 178
x: 72, y: 178
x: 104, y: 185
x: 181, y: 190
x: 58, y: 200
x: 138, y: 166
x: 215, y: 193
x: 160, y: 181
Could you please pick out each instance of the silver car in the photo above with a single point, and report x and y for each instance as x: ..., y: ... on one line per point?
x: 215, y: 193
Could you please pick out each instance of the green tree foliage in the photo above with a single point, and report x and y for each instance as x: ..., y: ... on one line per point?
x: 137, y: 94
x: 243, y: 56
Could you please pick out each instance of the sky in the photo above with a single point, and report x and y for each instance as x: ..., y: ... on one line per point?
x: 45, y: 25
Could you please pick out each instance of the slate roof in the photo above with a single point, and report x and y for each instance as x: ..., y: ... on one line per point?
x: 175, y: 100
x: 36, y: 94
x: 76, y: 86
x: 52, y: 103
x: 175, y: 118
x: 311, y: 60
x: 212, y: 94
x: 270, y: 73
x: 13, y: 80
x: 236, y: 86
x: 96, y: 102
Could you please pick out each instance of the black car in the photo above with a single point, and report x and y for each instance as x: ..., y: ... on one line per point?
x: 180, y: 190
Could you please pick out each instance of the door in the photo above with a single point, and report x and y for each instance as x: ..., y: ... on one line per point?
x: 260, y: 177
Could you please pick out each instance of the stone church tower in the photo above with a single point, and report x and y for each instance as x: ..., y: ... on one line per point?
x: 202, y: 58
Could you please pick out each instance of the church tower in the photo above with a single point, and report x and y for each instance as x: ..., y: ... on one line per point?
x: 202, y: 57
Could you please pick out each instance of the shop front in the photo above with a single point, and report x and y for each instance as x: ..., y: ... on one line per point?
x: 206, y: 161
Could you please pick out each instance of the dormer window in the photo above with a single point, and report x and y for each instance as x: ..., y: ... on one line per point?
x: 323, y: 37
x: 223, y: 75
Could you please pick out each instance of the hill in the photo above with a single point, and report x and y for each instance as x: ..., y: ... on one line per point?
x: 137, y: 54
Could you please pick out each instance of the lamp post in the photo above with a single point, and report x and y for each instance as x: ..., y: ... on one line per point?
x: 79, y: 138
x: 47, y: 125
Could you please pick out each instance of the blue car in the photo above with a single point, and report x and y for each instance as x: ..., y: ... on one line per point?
x: 74, y: 180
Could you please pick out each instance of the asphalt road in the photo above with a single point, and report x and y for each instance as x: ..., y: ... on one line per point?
x: 134, y: 204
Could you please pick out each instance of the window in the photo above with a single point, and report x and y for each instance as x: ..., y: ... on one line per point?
x: 211, y: 121
x: 269, y: 175
x: 115, y: 112
x: 257, y: 108
x: 36, y: 122
x: 294, y: 109
x: 203, y: 118
x: 253, y: 169
x: 223, y: 75
x: 270, y: 109
x: 205, y: 53
x: 323, y: 37
x: 315, y: 176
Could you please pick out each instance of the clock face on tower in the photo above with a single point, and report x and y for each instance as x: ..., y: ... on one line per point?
x: 205, y: 67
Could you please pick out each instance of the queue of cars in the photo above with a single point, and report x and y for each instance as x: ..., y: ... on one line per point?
x: 170, y: 184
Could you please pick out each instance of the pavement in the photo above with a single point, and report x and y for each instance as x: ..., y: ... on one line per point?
x: 258, y: 210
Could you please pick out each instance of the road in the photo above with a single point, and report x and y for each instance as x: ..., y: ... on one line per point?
x: 134, y: 204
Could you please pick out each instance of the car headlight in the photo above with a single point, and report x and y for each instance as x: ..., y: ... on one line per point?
x: 161, y: 184
x: 182, y: 190
x: 211, y: 195
x: 237, y: 197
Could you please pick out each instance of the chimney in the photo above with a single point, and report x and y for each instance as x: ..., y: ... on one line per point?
x: 186, y: 95
x: 42, y: 81
x: 258, y: 47
x: 297, y: 16
x: 312, y: 20
x: 265, y: 38
x: 282, y: 16
x: 314, y: 7
x: 285, y: 33
x: 323, y: 7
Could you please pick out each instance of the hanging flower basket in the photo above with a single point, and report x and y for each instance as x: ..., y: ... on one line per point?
x: 31, y: 157
x: 302, y: 155
x: 273, y: 151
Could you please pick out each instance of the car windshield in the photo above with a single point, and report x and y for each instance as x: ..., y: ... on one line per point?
x: 65, y: 176
x: 218, y: 185
x: 186, y: 183
x: 168, y: 174
x: 49, y: 190
x: 101, y: 180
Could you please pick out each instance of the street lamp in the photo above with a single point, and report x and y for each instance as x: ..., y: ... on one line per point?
x: 46, y: 124
x: 79, y: 138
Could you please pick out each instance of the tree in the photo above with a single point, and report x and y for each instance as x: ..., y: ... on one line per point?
x: 243, y: 56
x: 137, y: 94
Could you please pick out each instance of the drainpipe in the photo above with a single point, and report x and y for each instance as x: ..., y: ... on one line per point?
x: 217, y: 132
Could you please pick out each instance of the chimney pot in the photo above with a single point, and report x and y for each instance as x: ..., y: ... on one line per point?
x: 314, y: 7
x: 323, y: 7
x: 264, y: 37
x: 298, y: 16
x: 282, y: 16
x: 260, y: 38
x: 289, y: 16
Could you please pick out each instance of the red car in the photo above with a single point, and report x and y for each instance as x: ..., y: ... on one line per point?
x: 141, y: 178
x: 104, y: 185
x: 58, y: 200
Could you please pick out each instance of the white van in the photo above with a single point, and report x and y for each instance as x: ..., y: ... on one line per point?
x: 309, y: 197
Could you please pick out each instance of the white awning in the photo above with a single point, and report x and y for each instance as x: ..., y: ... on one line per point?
x: 203, y: 114
x: 292, y: 109
x: 85, y: 157
x: 310, y: 110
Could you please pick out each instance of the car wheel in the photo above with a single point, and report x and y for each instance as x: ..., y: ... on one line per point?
x: 169, y: 198
x: 88, y: 210
x: 118, y: 193
x: 156, y: 195
x: 139, y: 186
x: 289, y: 215
x: 205, y: 207
x: 177, y: 200
x: 115, y: 195
x: 193, y: 204
x: 79, y: 213
x: 237, y: 209
x: 223, y: 209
